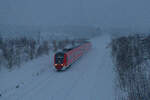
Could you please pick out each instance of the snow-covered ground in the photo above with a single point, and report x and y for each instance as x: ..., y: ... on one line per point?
x: 90, y: 78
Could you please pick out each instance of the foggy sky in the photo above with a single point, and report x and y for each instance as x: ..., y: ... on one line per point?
x: 106, y: 13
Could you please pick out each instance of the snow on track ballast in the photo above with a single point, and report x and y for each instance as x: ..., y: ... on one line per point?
x: 67, y: 57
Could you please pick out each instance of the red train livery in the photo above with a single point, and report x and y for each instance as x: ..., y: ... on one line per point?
x: 67, y: 57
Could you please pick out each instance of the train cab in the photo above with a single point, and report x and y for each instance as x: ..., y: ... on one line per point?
x: 59, y: 60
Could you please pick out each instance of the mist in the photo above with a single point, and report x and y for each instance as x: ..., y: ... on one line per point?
x: 104, y: 13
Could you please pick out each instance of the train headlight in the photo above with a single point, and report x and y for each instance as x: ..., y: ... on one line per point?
x: 55, y: 64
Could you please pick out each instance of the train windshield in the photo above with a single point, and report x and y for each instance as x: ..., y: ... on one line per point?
x: 59, y: 58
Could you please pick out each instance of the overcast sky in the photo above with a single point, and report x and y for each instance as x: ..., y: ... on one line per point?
x: 107, y: 13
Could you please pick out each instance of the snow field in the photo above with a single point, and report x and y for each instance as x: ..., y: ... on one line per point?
x: 90, y: 78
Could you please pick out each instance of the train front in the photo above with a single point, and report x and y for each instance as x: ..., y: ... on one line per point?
x: 59, y: 60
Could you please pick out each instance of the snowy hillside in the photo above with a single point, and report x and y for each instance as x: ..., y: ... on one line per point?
x: 90, y: 78
x: 131, y: 56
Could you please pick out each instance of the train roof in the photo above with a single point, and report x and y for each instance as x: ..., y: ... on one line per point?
x: 71, y: 48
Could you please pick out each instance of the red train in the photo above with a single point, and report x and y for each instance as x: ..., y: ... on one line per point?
x: 67, y: 57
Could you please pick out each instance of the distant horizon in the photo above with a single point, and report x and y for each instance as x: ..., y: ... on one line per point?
x: 31, y: 28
